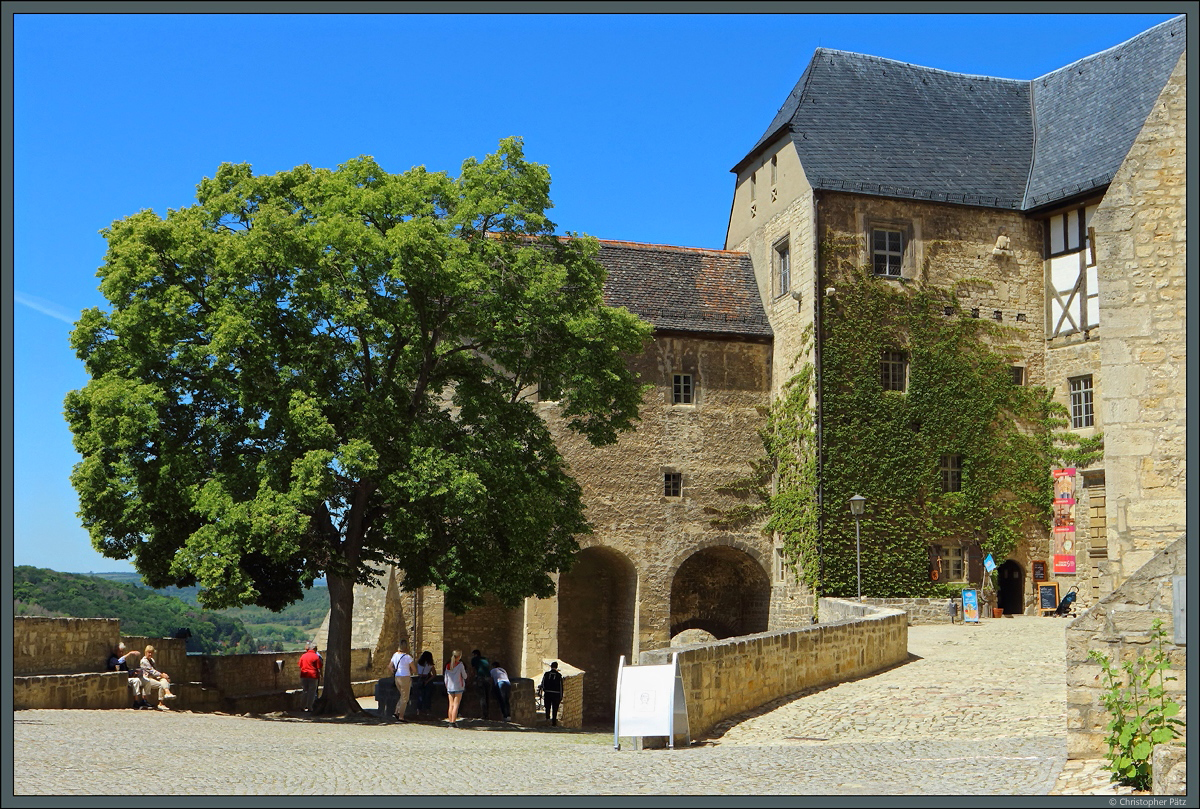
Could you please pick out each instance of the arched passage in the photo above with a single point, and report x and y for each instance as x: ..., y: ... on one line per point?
x: 721, y: 590
x: 1010, y: 588
x: 596, y: 607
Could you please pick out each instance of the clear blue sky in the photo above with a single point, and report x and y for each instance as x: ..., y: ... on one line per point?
x: 639, y: 119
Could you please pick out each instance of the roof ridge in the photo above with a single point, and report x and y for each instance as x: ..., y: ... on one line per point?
x: 653, y: 246
x: 875, y: 58
x: 1107, y: 51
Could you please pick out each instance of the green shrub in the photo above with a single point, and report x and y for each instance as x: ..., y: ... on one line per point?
x: 1141, y: 714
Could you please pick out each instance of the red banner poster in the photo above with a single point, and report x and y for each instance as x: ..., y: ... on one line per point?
x: 1064, y: 520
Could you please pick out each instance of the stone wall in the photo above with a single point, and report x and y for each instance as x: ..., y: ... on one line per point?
x: 1141, y: 246
x: 63, y: 645
x: 92, y: 691
x: 1119, y: 626
x: 725, y: 678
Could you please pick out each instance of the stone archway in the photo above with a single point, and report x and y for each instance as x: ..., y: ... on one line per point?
x: 721, y: 590
x: 1010, y: 588
x: 596, y: 608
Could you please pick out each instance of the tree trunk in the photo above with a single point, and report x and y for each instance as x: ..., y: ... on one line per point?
x: 338, y: 696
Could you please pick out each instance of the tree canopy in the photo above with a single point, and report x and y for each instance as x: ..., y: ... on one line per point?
x: 318, y: 372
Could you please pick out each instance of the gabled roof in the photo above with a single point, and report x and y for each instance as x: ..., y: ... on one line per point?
x: 1087, y: 114
x: 685, y: 289
x: 877, y: 126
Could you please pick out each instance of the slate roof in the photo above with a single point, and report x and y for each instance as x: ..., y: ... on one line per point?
x: 684, y: 288
x: 877, y: 126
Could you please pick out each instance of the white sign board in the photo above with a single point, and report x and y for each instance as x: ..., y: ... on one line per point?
x: 650, y: 702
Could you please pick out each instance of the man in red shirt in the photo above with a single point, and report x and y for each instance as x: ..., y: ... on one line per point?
x: 310, y: 673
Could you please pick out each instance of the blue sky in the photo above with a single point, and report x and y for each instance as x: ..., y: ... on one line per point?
x: 638, y: 117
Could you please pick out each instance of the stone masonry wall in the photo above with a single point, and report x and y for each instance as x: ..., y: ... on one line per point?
x: 63, y: 645
x: 1119, y: 626
x: 725, y: 678
x: 1141, y: 246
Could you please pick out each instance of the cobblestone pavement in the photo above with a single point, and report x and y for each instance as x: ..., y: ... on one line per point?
x: 979, y: 709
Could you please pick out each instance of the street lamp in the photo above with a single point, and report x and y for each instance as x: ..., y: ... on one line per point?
x: 856, y: 508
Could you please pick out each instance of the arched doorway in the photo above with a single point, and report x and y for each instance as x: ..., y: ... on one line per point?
x: 1010, y: 588
x: 596, y: 604
x: 721, y: 590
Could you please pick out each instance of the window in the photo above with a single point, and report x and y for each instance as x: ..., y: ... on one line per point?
x: 1082, y: 414
x: 781, y: 565
x: 951, y: 469
x: 681, y: 389
x: 950, y: 562
x: 753, y: 186
x: 783, y: 268
x: 893, y: 370
x: 672, y: 484
x: 549, y: 390
x: 774, y: 170
x: 887, y: 251
x: 1072, y: 279
x: 1018, y: 374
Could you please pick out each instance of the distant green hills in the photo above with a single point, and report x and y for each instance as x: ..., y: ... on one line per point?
x: 159, y: 613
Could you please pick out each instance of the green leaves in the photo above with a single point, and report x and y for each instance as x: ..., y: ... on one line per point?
x: 323, y: 370
x: 1142, y: 715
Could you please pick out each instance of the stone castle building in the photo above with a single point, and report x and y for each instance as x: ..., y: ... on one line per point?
x: 1061, y: 199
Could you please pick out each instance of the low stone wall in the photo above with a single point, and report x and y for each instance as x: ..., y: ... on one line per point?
x: 62, y: 645
x: 725, y: 678
x: 1119, y: 626
x: 921, y: 611
x: 91, y: 691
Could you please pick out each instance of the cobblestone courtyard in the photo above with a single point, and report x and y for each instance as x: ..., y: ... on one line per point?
x: 978, y: 709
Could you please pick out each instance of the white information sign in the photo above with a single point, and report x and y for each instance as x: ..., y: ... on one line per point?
x: 650, y: 702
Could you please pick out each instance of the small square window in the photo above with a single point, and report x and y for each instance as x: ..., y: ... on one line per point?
x: 887, y: 251
x: 893, y: 370
x: 1082, y: 414
x: 681, y: 389
x: 951, y: 469
x: 1018, y: 374
x: 672, y: 484
x: 783, y: 268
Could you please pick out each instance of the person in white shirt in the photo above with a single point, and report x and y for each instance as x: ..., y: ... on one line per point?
x: 403, y: 668
x: 504, y: 687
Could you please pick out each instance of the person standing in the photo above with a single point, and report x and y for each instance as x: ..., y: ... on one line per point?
x: 552, y: 692
x: 483, y: 682
x: 403, y: 668
x: 456, y: 682
x: 423, y: 682
x: 310, y: 674
x: 503, y: 689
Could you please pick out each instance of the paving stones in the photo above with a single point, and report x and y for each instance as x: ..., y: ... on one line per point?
x: 977, y: 710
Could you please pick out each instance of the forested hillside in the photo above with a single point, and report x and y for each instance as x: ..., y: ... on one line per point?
x: 287, y: 629
x: 38, y: 591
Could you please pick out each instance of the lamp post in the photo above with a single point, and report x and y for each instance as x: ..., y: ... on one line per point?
x: 856, y: 508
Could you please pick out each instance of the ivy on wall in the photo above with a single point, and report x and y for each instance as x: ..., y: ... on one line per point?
x: 887, y: 446
x: 782, y: 489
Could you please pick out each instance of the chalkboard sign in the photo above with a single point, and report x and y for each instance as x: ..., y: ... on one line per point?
x: 1039, y: 570
x: 1048, y: 596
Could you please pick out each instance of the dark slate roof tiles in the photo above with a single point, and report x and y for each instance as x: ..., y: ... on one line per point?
x: 877, y: 126
x: 685, y: 289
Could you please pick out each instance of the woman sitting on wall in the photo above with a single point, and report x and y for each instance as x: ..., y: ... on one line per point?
x: 155, y: 681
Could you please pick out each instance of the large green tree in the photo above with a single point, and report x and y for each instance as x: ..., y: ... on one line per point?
x: 318, y: 372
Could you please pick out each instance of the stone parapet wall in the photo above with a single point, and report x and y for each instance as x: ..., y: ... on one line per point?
x: 90, y: 691
x: 62, y: 645
x: 1120, y: 626
x: 920, y: 610
x: 725, y: 678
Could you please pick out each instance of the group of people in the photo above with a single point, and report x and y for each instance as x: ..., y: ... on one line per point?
x: 145, y: 679
x: 489, y: 678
